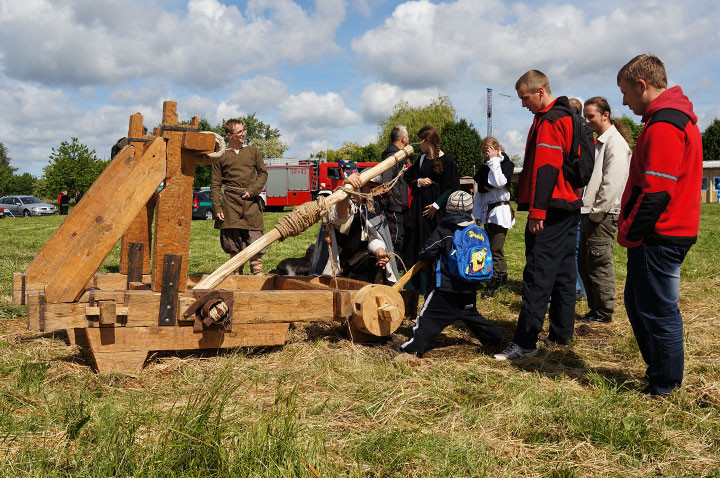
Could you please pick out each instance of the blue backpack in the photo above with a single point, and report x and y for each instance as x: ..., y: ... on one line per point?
x: 470, y: 258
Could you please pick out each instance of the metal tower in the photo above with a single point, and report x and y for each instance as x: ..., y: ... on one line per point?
x: 489, y: 111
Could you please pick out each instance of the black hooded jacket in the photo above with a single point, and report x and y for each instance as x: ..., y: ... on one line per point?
x: 438, y: 247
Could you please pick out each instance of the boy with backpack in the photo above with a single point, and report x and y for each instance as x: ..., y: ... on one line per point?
x: 559, y: 158
x: 462, y: 257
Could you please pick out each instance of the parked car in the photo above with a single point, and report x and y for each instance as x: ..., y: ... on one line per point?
x: 202, y: 207
x: 27, y: 206
x: 4, y: 212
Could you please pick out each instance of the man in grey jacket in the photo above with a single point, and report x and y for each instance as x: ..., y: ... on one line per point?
x: 601, y: 206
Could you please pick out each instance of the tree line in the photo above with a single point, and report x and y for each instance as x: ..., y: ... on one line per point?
x: 72, y: 165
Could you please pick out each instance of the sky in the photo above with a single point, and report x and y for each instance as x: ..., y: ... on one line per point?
x: 327, y: 71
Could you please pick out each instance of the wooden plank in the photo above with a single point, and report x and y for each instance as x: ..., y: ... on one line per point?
x: 138, y: 286
x: 115, y: 281
x: 169, y: 290
x: 141, y: 308
x: 18, y: 288
x: 78, y: 247
x: 283, y: 306
x: 237, y: 282
x: 140, y: 230
x: 340, y: 282
x: 182, y: 338
x: 135, y: 263
x: 125, y: 349
x: 92, y: 311
x: 200, y: 142
x: 342, y: 299
x: 174, y: 208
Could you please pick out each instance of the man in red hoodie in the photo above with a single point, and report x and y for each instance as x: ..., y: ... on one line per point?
x: 554, y: 212
x: 659, y: 216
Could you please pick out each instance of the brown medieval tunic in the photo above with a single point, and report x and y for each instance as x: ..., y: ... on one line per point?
x: 234, y: 174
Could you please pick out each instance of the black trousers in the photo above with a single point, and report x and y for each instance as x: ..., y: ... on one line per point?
x: 549, y: 275
x: 496, y: 235
x: 441, y: 309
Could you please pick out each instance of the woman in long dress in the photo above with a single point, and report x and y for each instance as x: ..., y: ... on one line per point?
x: 432, y: 178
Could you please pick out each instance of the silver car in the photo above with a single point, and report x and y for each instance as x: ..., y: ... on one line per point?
x: 27, y: 206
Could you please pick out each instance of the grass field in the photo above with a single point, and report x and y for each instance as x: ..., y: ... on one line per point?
x: 322, y: 406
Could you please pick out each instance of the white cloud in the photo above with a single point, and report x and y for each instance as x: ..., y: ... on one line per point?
x: 313, y: 111
x: 379, y: 99
x: 513, y: 141
x: 85, y: 42
x: 424, y: 44
x: 259, y: 93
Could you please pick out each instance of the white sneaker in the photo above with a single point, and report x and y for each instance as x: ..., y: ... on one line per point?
x: 513, y: 352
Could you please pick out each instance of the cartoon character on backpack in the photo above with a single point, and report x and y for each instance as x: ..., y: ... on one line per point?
x: 469, y: 258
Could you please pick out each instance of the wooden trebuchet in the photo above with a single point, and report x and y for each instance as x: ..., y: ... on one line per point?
x: 301, y: 213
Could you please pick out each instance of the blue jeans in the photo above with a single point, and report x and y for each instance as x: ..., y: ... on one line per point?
x: 652, y: 289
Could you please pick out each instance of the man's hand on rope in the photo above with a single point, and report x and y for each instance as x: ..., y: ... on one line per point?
x: 382, y: 257
x: 353, y: 180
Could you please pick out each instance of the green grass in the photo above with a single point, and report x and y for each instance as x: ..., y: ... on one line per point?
x: 362, y: 411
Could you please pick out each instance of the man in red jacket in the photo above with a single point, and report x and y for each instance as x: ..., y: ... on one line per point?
x: 659, y: 216
x: 554, y: 212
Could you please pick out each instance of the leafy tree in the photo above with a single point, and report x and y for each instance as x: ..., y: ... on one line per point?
x: 463, y: 142
x: 633, y: 129
x: 6, y: 171
x: 438, y: 113
x: 351, y: 152
x: 256, y: 129
x: 11, y: 183
x: 72, y: 165
x: 23, y: 184
x: 5, y: 160
x: 711, y: 141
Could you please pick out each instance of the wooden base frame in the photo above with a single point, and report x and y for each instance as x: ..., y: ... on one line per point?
x: 120, y: 326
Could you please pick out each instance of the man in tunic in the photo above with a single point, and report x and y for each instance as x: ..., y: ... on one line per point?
x: 237, y: 179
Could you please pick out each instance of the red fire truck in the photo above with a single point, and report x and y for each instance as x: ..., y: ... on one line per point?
x: 292, y: 181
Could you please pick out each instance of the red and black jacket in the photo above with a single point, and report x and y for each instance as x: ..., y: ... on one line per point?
x: 542, y: 184
x: 661, y: 201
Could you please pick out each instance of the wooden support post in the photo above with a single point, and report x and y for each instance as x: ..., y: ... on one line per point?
x: 77, y: 248
x: 18, y: 291
x: 135, y: 262
x: 169, y: 289
x: 140, y: 229
x: 108, y: 312
x: 174, y: 206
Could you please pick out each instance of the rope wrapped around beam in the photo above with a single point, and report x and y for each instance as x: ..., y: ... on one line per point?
x: 301, y: 218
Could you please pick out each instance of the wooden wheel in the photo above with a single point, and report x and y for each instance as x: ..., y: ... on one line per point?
x: 378, y: 310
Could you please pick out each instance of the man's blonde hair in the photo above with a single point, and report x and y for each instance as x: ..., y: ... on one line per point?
x: 644, y: 67
x: 534, y: 79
